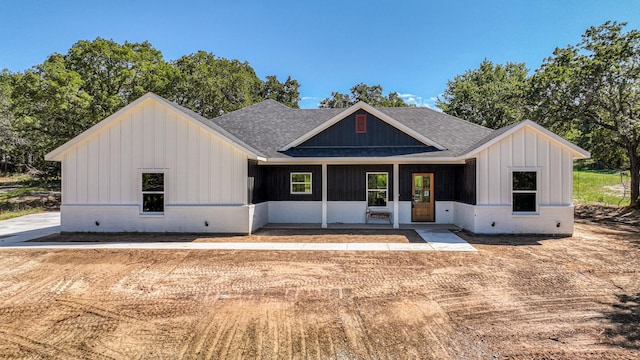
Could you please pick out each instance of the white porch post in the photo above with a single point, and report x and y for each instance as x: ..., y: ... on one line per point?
x: 324, y: 196
x: 396, y: 195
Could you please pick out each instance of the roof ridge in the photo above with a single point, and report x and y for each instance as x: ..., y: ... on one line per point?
x: 492, y: 135
x: 242, y: 109
x: 442, y: 113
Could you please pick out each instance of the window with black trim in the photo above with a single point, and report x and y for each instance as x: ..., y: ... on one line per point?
x: 525, y: 191
x: 301, y: 183
x: 377, y: 189
x: 153, y: 193
x: 361, y: 123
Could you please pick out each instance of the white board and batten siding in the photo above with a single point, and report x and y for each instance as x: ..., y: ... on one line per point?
x: 525, y: 150
x: 205, y: 177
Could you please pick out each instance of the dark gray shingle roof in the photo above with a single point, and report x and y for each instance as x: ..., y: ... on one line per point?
x: 269, y: 126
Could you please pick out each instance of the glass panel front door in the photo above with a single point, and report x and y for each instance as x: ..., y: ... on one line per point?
x: 422, y: 205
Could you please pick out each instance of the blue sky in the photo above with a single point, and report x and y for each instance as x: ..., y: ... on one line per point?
x: 411, y: 47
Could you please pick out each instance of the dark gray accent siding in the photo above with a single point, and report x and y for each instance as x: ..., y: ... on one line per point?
x: 468, y: 188
x: 452, y: 182
x: 447, y: 180
x: 275, y: 183
x: 343, y: 134
x: 256, y: 195
x: 349, y: 182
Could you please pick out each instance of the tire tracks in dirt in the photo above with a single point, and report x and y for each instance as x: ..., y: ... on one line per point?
x: 44, y: 349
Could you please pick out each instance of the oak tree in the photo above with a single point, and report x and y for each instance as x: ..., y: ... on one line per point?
x: 593, y: 88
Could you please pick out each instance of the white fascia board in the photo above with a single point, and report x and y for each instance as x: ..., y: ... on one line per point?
x: 244, y: 148
x: 361, y: 160
x: 373, y: 111
x: 578, y: 152
x: 56, y: 155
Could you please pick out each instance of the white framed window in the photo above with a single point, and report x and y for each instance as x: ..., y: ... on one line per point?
x: 524, y: 191
x: 301, y: 183
x: 377, y: 188
x: 152, y: 198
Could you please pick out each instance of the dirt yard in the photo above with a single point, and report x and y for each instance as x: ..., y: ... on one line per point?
x: 263, y: 235
x: 519, y: 297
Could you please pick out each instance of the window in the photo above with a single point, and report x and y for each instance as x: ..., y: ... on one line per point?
x: 377, y: 189
x: 152, y: 192
x: 301, y: 183
x: 361, y: 123
x: 525, y: 191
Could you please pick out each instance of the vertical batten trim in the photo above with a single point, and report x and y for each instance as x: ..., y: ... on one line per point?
x: 324, y: 195
x: 396, y: 195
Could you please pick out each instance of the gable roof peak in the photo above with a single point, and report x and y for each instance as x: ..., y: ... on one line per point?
x: 189, y: 114
x: 507, y: 130
x: 361, y: 105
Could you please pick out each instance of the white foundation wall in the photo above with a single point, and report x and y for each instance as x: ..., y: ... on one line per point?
x: 200, y: 168
x: 464, y: 216
x: 259, y: 216
x: 347, y: 212
x: 295, y: 212
x: 445, y: 212
x: 550, y: 220
x: 127, y: 218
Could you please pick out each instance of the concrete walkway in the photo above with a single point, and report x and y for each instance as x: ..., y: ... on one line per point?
x: 15, y: 234
x: 29, y: 227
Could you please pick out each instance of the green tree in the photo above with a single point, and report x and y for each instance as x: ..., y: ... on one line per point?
x: 491, y: 95
x: 51, y: 103
x: 593, y: 90
x: 337, y: 100
x: 50, y: 107
x: 213, y: 86
x: 372, y: 95
x: 10, y: 140
x: 115, y: 74
x: 287, y: 93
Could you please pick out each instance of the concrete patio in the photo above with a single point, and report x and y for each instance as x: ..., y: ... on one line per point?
x: 17, y: 232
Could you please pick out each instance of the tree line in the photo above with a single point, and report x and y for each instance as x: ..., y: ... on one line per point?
x: 589, y: 93
x: 50, y: 103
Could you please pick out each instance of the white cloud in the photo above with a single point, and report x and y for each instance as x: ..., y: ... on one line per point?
x: 420, y: 101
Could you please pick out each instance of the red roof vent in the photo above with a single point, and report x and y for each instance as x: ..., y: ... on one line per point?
x: 361, y: 123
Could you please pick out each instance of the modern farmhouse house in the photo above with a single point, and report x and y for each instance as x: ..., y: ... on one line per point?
x: 156, y: 166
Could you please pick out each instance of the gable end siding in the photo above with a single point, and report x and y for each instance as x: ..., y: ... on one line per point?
x: 343, y: 134
x: 525, y: 149
x: 200, y: 168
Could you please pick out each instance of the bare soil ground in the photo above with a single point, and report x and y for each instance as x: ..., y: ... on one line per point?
x: 518, y: 298
x: 263, y: 235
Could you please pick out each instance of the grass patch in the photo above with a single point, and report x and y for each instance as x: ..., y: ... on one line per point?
x: 5, y: 215
x: 607, y: 187
x: 20, y: 192
x: 22, y: 195
x: 14, y: 179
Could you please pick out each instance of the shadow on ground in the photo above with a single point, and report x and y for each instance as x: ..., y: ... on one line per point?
x: 624, y: 317
x: 507, y: 239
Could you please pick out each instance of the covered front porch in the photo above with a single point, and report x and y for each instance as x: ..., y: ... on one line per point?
x: 347, y: 194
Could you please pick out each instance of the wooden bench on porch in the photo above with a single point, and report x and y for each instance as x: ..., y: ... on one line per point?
x: 378, y: 214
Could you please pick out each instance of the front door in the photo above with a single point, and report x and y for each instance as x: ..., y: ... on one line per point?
x: 422, y: 205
